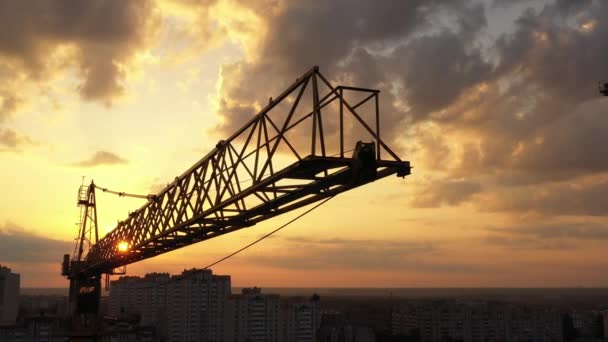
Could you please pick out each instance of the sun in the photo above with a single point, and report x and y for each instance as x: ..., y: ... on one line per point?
x: 123, y: 246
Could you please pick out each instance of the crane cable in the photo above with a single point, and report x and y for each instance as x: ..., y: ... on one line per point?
x: 125, y: 194
x: 269, y: 234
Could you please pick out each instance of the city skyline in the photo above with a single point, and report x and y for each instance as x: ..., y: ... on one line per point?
x: 495, y: 104
x: 198, y: 304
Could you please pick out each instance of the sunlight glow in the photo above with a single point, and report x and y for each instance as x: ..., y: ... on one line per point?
x: 123, y: 246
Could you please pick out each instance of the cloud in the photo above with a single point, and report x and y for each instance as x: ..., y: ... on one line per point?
x: 534, y: 123
x: 557, y: 231
x: 581, y: 197
x: 10, y: 103
x: 19, y: 245
x: 339, y: 253
x: 507, y: 3
x: 101, y: 158
x: 369, y: 255
x: 450, y: 192
x: 347, y: 49
x: 12, y: 141
x: 572, y: 144
x: 548, y: 236
x: 513, y: 108
x: 40, y: 40
x: 436, y: 69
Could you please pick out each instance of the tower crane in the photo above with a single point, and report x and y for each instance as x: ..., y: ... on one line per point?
x: 308, y: 144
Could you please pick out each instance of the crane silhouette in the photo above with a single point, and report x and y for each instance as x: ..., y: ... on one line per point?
x: 291, y: 154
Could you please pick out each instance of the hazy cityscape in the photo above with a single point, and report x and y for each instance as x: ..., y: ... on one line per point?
x: 198, y: 305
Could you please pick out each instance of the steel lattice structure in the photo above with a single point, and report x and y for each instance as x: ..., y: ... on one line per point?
x: 284, y: 158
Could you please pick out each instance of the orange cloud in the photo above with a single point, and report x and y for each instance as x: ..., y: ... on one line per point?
x: 41, y: 39
x: 12, y: 141
x: 101, y: 158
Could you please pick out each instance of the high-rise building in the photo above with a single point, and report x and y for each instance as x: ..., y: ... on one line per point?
x: 198, y: 306
x: 187, y: 307
x: 9, y: 296
x: 302, y: 319
x: 336, y: 328
x: 144, y: 297
x: 196, y: 302
x: 253, y: 316
x: 471, y: 322
x: 605, y: 323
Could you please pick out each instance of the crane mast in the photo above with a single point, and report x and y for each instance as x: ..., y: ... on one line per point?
x: 311, y: 142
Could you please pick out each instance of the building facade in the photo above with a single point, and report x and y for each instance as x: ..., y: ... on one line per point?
x: 605, y: 323
x: 301, y: 319
x: 186, y: 307
x: 196, y: 302
x: 476, y: 322
x: 144, y: 297
x: 9, y: 296
x: 199, y: 306
x: 253, y: 316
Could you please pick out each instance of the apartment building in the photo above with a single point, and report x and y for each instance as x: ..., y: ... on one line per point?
x: 196, y: 302
x: 9, y: 296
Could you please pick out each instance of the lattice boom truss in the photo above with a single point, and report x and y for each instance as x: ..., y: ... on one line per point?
x: 279, y: 161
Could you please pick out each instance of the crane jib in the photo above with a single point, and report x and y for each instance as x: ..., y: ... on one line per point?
x: 294, y: 152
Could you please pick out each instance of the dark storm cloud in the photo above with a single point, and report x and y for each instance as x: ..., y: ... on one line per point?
x: 507, y: 3
x: 18, y: 245
x: 349, y: 47
x: 435, y: 70
x: 546, y: 68
x: 540, y: 118
x: 101, y: 158
x: 524, y: 96
x: 575, y: 143
x: 540, y: 97
x: 567, y: 145
x: 562, y: 6
x: 563, y: 198
x: 104, y: 35
x: 562, y: 60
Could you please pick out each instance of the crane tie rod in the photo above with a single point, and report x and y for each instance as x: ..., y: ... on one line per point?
x: 126, y: 194
x: 269, y: 234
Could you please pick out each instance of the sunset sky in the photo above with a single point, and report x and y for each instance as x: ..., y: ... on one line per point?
x: 494, y: 102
